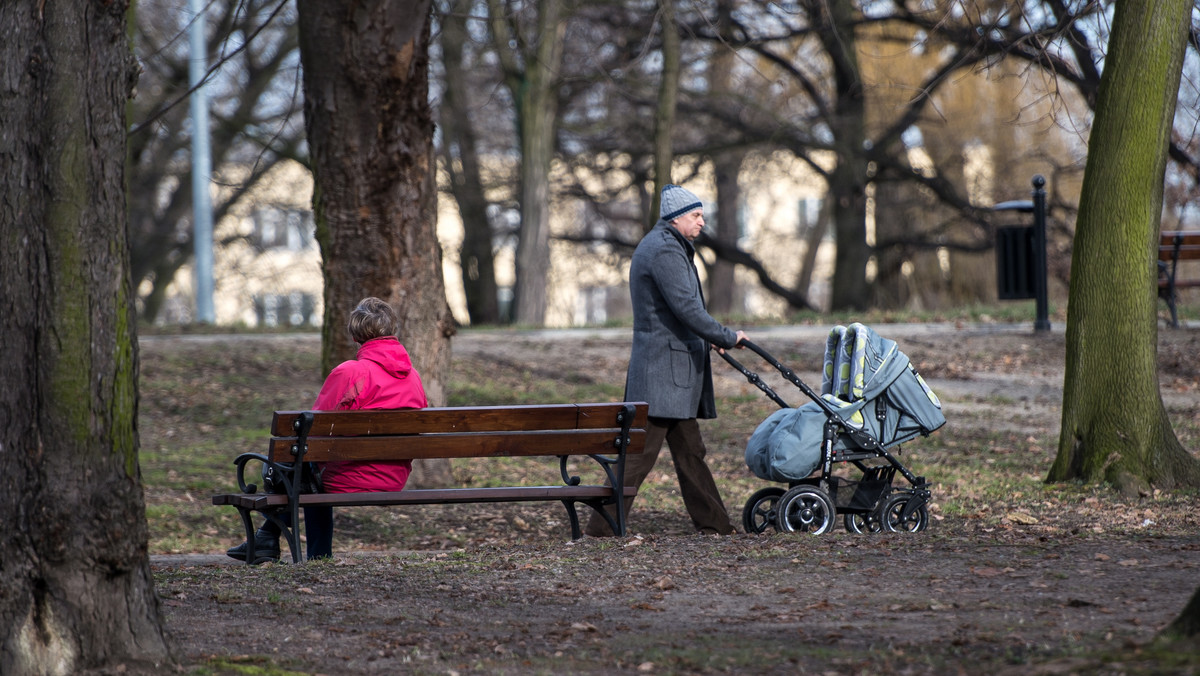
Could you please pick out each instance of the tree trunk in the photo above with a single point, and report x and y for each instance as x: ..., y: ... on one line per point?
x: 848, y: 180
x: 534, y: 89
x: 462, y: 165
x: 1187, y: 625
x: 722, y: 288
x: 727, y: 166
x: 664, y: 110
x: 812, y: 244
x: 1114, y: 425
x: 76, y: 592
x: 370, y: 134
x: 849, y: 205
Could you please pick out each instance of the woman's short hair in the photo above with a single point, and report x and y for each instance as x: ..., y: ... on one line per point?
x: 373, y: 318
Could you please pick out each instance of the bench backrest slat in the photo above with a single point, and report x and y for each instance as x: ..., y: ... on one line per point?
x: 457, y: 432
x: 457, y: 419
x: 465, y: 445
x: 1188, y: 241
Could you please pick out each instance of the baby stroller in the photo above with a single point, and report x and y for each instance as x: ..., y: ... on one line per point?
x: 871, y: 400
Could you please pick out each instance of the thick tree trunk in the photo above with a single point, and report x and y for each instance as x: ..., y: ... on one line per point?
x: 1114, y: 426
x: 848, y: 180
x: 75, y: 585
x: 462, y: 165
x: 370, y: 132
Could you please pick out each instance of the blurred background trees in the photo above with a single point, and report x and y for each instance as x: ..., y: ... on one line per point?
x: 255, y: 117
x: 849, y: 151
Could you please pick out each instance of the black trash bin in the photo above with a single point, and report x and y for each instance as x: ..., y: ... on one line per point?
x: 1021, y: 255
x: 1016, y: 262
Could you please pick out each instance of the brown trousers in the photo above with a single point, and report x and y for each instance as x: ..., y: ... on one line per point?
x: 700, y: 495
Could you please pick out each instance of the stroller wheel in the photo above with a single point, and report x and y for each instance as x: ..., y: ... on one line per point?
x: 759, y: 512
x: 861, y: 523
x: 805, y: 509
x: 891, y: 516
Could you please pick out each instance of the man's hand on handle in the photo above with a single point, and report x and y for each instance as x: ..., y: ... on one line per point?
x: 741, y: 336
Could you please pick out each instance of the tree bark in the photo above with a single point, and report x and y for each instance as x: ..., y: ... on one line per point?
x: 1114, y: 425
x: 370, y: 134
x: 462, y: 166
x: 76, y: 592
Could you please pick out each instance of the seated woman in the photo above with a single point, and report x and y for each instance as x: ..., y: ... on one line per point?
x: 381, y: 376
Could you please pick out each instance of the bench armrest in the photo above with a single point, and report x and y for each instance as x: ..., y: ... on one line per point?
x: 241, y: 462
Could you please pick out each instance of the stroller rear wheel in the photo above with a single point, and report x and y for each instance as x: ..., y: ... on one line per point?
x: 805, y: 509
x: 891, y: 516
x: 861, y: 523
x: 759, y: 513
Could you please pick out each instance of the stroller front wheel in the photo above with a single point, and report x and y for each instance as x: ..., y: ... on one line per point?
x: 759, y: 513
x: 893, y: 519
x: 805, y: 509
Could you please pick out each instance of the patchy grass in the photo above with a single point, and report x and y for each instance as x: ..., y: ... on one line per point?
x: 205, y: 400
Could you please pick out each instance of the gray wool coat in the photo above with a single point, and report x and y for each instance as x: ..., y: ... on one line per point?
x: 669, y: 367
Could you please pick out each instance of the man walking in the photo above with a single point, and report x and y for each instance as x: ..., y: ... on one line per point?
x: 669, y: 367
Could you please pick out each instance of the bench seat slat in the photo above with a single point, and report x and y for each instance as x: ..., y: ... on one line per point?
x: 457, y: 419
x: 422, y: 496
x: 471, y: 445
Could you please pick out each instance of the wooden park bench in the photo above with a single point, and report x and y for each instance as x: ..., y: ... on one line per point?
x: 1175, y: 246
x: 605, y: 433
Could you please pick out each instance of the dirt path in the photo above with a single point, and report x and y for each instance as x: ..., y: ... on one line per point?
x: 1072, y: 585
x: 837, y: 604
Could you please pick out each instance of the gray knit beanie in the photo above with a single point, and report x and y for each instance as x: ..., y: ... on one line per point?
x: 677, y: 201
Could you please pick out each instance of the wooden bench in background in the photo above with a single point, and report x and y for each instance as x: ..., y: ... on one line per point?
x: 605, y: 433
x: 1175, y: 246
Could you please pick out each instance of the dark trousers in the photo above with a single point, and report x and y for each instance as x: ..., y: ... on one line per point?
x: 318, y: 530
x: 700, y: 495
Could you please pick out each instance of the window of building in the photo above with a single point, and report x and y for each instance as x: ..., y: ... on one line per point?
x: 285, y: 309
x: 809, y: 209
x: 289, y: 229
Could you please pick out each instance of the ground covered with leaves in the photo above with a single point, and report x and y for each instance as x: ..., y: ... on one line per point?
x: 1012, y: 576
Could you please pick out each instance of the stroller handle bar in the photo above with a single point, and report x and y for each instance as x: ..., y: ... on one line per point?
x: 786, y: 372
x: 753, y: 377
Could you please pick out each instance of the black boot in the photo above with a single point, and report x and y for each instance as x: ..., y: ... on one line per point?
x: 266, y: 548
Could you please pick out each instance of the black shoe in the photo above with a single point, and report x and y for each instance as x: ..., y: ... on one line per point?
x: 266, y: 548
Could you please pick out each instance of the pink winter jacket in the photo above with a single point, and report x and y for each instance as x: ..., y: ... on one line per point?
x: 382, y: 376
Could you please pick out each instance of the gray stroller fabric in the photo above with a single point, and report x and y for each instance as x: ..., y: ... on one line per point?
x: 787, y: 445
x: 868, y: 387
